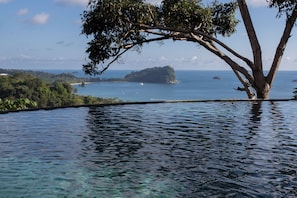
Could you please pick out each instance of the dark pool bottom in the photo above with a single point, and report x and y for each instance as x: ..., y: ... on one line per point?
x: 216, y: 149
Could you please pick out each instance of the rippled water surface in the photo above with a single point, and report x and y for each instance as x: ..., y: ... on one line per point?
x: 215, y: 149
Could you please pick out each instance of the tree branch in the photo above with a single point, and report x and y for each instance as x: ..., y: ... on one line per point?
x: 234, y: 66
x: 197, y: 32
x: 115, y: 59
x: 128, y: 47
x: 281, y: 46
x: 251, y: 34
x: 244, y: 59
x: 198, y: 37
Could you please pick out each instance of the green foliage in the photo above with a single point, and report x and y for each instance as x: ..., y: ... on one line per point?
x: 284, y: 6
x: 117, y: 26
x: 185, y: 14
x: 23, y: 91
x: 17, y: 104
x: 111, y: 24
x: 223, y: 18
x: 49, y: 77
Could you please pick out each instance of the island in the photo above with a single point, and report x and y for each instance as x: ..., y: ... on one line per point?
x: 162, y: 75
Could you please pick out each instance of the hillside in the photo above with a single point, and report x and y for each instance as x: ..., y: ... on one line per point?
x: 20, y: 91
x: 49, y: 77
x: 164, y: 75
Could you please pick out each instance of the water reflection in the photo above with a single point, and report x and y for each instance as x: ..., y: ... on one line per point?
x: 256, y: 112
x: 240, y: 149
x: 194, y: 148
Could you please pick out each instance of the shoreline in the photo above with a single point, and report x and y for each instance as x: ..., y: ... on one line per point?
x: 80, y: 83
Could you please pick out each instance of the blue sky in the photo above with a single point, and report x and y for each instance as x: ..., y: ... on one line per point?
x: 45, y: 34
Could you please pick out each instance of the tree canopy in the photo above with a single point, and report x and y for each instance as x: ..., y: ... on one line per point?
x: 117, y: 26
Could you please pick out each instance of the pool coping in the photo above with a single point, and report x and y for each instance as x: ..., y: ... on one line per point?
x: 150, y: 102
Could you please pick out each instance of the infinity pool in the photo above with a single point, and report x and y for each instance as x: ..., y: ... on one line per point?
x: 214, y: 149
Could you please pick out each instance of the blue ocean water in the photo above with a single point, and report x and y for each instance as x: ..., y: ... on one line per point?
x: 196, y: 85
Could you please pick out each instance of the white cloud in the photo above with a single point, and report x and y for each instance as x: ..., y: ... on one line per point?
x: 163, y: 58
x: 194, y: 59
x: 4, y: 1
x: 22, y: 11
x: 154, y: 2
x: 72, y: 2
x: 26, y: 57
x: 257, y: 3
x: 40, y: 19
x: 3, y: 58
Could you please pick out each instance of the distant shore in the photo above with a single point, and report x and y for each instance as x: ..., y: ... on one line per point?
x: 81, y: 83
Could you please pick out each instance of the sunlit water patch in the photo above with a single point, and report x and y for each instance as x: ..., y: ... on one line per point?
x: 239, y: 149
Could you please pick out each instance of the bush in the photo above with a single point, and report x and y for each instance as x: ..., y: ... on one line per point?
x: 18, y: 104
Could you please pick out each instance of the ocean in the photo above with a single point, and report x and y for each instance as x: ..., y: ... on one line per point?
x: 192, y: 85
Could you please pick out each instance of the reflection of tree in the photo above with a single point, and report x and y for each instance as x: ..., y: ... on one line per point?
x: 267, y: 146
x: 276, y: 116
x: 113, y: 133
x: 201, y: 147
x: 126, y: 144
x: 256, y: 112
x: 254, y: 121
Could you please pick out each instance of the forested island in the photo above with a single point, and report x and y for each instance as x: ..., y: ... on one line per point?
x: 161, y: 75
x: 153, y: 75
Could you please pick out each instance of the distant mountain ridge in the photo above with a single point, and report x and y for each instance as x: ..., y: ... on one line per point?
x: 162, y: 75
x: 47, y: 76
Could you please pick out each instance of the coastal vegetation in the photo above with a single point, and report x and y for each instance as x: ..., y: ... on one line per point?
x: 117, y: 27
x: 23, y: 91
x: 163, y: 74
x: 49, y: 77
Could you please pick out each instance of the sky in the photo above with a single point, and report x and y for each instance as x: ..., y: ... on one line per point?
x: 46, y: 34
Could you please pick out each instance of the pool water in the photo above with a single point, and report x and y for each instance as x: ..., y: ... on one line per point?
x: 204, y: 149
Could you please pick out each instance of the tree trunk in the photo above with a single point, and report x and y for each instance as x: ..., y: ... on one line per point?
x: 260, y: 85
x: 263, y: 93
